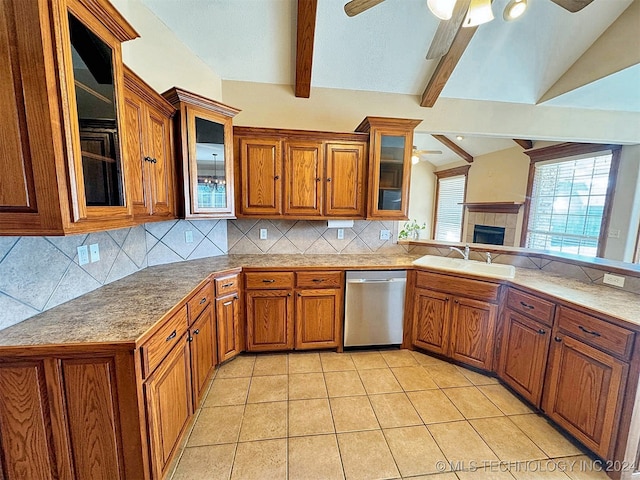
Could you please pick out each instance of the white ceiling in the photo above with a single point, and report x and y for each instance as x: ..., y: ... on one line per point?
x: 476, y: 146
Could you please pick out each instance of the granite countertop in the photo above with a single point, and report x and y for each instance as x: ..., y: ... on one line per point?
x: 122, y: 311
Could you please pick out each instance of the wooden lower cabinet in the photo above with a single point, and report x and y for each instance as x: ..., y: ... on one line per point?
x: 269, y: 325
x: 523, y: 356
x: 431, y: 320
x: 584, y: 392
x: 168, y: 398
x: 473, y: 327
x: 317, y: 319
x: 228, y: 325
x: 202, y: 336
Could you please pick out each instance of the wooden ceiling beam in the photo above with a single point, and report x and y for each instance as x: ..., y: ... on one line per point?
x: 525, y: 144
x: 305, y: 35
x: 446, y: 66
x: 461, y: 152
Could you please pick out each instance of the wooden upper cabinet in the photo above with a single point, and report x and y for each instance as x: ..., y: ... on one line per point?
x: 303, y: 171
x: 204, y: 134
x: 148, y: 147
x: 345, y: 172
x: 63, y: 105
x: 390, y: 146
x: 260, y: 175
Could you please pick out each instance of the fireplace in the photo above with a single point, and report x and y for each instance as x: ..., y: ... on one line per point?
x: 488, y: 234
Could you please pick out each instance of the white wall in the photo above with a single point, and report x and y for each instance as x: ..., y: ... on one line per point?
x: 160, y: 58
x: 422, y: 191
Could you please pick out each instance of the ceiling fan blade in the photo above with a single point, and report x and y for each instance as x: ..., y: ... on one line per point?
x: 572, y: 5
x: 428, y: 152
x: 447, y: 30
x: 354, y: 7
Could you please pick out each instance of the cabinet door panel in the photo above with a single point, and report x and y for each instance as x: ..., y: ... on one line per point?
x: 473, y: 327
x: 134, y: 153
x: 260, y: 165
x: 345, y: 165
x: 303, y: 175
x: 203, y: 353
x: 227, y: 327
x: 431, y: 321
x: 159, y: 148
x: 269, y: 325
x: 317, y: 319
x: 584, y: 393
x: 523, y: 357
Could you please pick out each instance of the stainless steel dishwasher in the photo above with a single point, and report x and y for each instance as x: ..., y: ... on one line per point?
x: 374, y: 307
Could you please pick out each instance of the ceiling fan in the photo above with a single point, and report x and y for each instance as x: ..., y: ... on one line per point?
x: 466, y: 13
x: 417, y: 155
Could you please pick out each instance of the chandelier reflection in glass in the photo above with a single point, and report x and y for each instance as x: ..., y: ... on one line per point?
x: 214, y: 182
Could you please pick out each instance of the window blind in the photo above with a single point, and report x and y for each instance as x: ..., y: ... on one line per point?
x: 449, y: 211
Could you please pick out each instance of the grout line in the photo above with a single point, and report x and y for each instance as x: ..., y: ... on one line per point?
x: 11, y: 248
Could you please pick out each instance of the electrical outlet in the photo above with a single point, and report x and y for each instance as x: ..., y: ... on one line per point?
x: 385, y: 234
x: 341, y: 234
x: 188, y: 236
x: 94, y: 250
x: 83, y: 255
x: 263, y: 234
x: 614, y: 233
x: 615, y: 280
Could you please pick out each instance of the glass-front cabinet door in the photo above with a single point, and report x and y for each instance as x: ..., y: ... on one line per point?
x: 391, y: 172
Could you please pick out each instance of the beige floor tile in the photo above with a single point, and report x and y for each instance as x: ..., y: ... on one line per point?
x: 241, y: 366
x: 304, y: 363
x: 344, y: 384
x: 352, y: 414
x: 260, y: 460
x: 471, y: 402
x: 477, y: 378
x: 315, y: 458
x: 336, y: 362
x: 461, y: 444
x: 212, y: 462
x: 366, y: 456
x: 545, y: 436
x: 581, y: 468
x: 399, y: 358
x: 425, y: 359
x: 489, y: 473
x: 227, y: 391
x: 414, y: 450
x: 268, y: 389
x: 438, y: 476
x: 538, y: 470
x: 505, y: 400
x: 413, y: 378
x: 433, y: 406
x: 506, y: 439
x: 306, y: 385
x: 394, y: 410
x: 264, y: 420
x: 367, y: 360
x: 310, y: 417
x: 217, y: 425
x: 446, y: 375
x: 270, y: 365
x: 379, y: 380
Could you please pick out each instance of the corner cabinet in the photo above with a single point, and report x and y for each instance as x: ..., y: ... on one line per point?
x: 63, y: 165
x: 204, y: 136
x: 390, y: 146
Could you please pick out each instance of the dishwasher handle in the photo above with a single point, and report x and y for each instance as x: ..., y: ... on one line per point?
x: 376, y: 280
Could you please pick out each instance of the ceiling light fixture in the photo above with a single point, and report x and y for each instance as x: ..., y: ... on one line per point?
x: 514, y: 9
x: 414, y: 156
x: 460, y: 137
x: 479, y: 12
x: 443, y: 9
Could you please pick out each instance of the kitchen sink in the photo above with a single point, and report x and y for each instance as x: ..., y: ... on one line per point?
x: 497, y: 270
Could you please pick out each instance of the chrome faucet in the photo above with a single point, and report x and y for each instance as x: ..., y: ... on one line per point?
x: 489, y: 259
x: 464, y: 254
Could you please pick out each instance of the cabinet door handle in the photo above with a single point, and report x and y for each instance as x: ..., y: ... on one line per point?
x: 542, y: 331
x: 204, y: 299
x: 557, y: 339
x: 589, y: 332
x: 268, y: 280
x: 196, y: 331
x: 526, y: 305
x: 329, y: 179
x: 230, y: 284
x: 172, y: 336
x: 318, y: 280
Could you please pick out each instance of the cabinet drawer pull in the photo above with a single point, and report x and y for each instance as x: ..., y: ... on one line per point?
x: 226, y: 285
x: 542, y: 331
x: 204, y: 299
x: 172, y: 336
x: 526, y: 305
x: 557, y: 339
x: 268, y: 280
x: 196, y: 331
x: 595, y: 334
x: 318, y: 280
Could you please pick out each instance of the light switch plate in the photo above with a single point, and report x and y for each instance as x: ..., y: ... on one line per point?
x: 341, y: 234
x: 83, y: 255
x: 94, y: 250
x: 385, y: 234
x: 188, y: 236
x: 263, y: 234
x: 615, y: 280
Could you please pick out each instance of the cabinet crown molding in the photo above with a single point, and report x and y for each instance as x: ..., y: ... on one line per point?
x: 111, y: 19
x: 138, y: 86
x: 386, y: 122
x: 176, y: 96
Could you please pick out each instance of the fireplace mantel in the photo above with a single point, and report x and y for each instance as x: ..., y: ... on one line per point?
x: 493, y: 207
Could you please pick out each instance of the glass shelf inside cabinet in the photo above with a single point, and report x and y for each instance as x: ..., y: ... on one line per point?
x: 210, y: 164
x: 392, y: 156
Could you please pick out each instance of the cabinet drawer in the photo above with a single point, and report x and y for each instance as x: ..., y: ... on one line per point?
x: 319, y: 279
x: 161, y: 343
x: 226, y: 285
x: 269, y: 280
x: 469, y: 288
x: 599, y: 333
x: 530, y: 305
x: 199, y: 302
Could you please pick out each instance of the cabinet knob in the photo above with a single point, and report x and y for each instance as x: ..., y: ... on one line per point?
x: 196, y: 331
x: 455, y: 301
x: 277, y: 177
x: 190, y: 339
x: 299, y: 294
x: 235, y: 297
x: 288, y: 294
x: 542, y: 331
x: 446, y: 299
x: 148, y: 159
x: 557, y: 339
x: 329, y: 179
x: 318, y: 179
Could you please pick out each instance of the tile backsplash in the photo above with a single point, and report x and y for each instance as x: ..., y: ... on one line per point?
x: 38, y: 273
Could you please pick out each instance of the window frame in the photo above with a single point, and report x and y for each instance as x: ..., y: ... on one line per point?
x: 567, y: 150
x: 450, y: 172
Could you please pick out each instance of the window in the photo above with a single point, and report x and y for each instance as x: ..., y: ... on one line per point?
x: 450, y: 194
x: 570, y: 198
